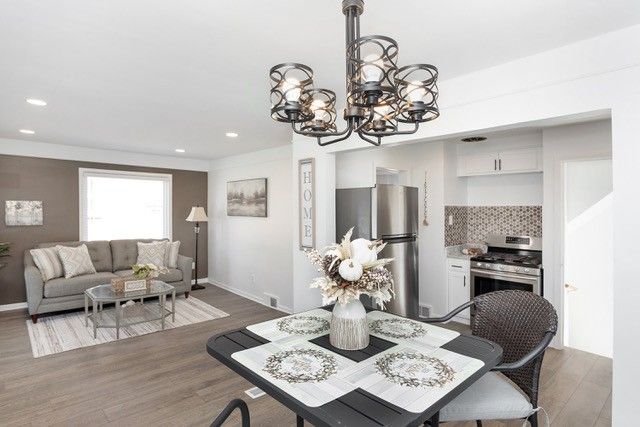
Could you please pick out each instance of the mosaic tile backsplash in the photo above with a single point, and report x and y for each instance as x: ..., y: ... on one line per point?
x: 472, y: 224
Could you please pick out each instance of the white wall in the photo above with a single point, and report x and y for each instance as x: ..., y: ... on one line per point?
x: 353, y: 169
x: 251, y: 256
x: 562, y: 143
x: 505, y: 190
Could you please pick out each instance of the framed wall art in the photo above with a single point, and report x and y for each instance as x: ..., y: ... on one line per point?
x: 22, y: 213
x: 306, y: 203
x: 247, y: 197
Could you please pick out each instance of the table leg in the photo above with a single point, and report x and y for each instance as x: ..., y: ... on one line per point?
x: 118, y: 314
x: 162, y: 299
x: 95, y: 318
x: 299, y: 421
x: 435, y: 419
x: 173, y: 306
x: 86, y: 310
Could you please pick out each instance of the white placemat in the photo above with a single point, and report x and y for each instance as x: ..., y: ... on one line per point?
x: 412, y: 376
x: 400, y: 330
x: 308, y: 325
x: 304, y: 370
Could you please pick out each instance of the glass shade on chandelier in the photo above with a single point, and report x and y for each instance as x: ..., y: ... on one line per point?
x: 379, y: 94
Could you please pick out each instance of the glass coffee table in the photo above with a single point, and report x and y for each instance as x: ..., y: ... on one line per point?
x: 125, y: 314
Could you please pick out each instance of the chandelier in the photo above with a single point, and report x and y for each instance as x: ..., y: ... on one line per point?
x: 379, y: 94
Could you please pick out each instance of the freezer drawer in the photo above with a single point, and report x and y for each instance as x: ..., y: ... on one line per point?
x: 397, y: 210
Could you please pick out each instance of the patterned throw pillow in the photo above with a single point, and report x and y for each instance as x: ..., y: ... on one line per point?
x: 48, y: 262
x: 171, y: 256
x: 76, y: 261
x: 152, y: 253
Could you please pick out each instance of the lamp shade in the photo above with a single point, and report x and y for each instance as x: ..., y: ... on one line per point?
x: 197, y: 214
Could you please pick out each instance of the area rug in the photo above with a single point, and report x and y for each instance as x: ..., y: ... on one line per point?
x: 67, y: 331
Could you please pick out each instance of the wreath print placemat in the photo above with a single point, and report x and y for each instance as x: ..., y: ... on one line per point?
x: 309, y: 324
x: 304, y: 370
x: 412, y: 376
x: 400, y: 329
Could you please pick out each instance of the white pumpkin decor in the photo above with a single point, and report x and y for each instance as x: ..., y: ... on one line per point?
x: 350, y: 270
x: 362, y: 251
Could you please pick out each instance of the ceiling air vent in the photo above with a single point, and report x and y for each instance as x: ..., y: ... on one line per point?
x: 474, y: 139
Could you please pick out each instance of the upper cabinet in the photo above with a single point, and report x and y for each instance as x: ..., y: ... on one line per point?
x: 522, y: 160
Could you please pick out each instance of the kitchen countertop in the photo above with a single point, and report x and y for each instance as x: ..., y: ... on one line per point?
x: 455, y: 252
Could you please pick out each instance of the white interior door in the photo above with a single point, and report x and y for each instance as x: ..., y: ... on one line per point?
x: 588, y: 256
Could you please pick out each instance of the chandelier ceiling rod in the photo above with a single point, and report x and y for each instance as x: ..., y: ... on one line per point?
x: 379, y: 94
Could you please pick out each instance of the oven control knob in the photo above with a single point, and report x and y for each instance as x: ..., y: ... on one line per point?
x: 517, y: 270
x: 526, y: 270
x: 499, y: 267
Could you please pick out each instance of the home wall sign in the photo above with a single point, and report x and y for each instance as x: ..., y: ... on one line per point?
x: 306, y: 202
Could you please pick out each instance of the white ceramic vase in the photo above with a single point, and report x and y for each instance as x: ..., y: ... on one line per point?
x: 349, y: 327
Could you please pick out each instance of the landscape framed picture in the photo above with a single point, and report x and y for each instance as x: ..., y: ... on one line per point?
x: 22, y: 212
x: 247, y: 197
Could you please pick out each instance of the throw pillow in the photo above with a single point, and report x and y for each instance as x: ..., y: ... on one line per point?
x: 75, y: 260
x: 171, y: 257
x: 48, y: 262
x: 152, y: 253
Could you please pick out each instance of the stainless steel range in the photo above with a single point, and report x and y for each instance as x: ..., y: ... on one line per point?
x: 511, y: 262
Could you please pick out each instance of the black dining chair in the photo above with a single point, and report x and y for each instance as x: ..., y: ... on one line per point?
x: 523, y: 324
x: 226, y: 412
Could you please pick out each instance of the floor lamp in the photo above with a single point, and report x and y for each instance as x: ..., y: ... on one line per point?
x: 197, y: 215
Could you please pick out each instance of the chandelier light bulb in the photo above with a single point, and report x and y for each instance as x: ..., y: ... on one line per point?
x: 291, y: 89
x: 372, y: 70
x: 318, y: 107
x: 382, y: 111
x: 416, y: 91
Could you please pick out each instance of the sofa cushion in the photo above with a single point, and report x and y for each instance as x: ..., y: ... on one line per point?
x: 48, y: 262
x: 99, y: 251
x: 125, y: 252
x: 76, y: 261
x: 172, y: 275
x: 62, y: 287
x: 152, y: 253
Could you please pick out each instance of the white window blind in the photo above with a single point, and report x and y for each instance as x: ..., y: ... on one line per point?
x: 124, y: 205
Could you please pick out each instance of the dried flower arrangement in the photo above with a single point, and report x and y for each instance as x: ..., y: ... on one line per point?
x: 147, y: 271
x: 352, y: 268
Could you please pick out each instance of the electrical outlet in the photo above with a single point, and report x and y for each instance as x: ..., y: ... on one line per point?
x: 252, y: 277
x: 193, y: 265
x: 450, y: 219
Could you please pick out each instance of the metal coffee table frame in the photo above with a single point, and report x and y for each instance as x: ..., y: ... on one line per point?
x: 99, y: 295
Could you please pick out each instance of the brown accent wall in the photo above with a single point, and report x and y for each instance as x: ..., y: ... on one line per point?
x: 55, y: 182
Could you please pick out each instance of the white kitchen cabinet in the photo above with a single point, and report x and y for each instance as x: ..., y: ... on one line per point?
x: 458, y: 285
x: 504, y: 162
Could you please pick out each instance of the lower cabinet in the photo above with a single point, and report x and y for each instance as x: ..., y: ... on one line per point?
x: 458, y: 285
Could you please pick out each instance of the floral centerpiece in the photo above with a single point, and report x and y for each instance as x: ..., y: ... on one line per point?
x: 352, y: 268
x: 147, y: 271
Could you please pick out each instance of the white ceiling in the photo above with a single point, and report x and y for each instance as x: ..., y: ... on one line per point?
x: 154, y: 75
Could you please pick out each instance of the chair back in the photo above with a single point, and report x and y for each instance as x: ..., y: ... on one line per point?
x: 518, y: 321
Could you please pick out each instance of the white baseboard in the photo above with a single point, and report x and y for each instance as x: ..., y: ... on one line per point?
x: 249, y: 295
x: 14, y: 306
x: 202, y: 281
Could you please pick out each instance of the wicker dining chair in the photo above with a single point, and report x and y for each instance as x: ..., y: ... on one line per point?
x: 523, y: 324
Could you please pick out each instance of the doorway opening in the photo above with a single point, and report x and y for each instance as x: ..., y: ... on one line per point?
x: 588, y: 255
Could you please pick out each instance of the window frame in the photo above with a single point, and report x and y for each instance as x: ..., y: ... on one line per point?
x: 166, y: 178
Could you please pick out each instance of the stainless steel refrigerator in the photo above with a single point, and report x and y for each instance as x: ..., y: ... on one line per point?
x: 390, y: 213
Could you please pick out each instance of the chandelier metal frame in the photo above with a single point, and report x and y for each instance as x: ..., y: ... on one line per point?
x: 379, y: 94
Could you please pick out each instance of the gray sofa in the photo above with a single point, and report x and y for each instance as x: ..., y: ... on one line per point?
x: 110, y: 258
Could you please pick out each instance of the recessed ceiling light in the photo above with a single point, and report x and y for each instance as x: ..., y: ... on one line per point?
x: 38, y: 102
x: 27, y: 131
x: 231, y: 134
x: 180, y: 150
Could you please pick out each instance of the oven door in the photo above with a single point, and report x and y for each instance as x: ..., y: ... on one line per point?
x: 484, y: 281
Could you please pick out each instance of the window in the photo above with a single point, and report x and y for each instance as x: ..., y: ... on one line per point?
x: 124, y: 205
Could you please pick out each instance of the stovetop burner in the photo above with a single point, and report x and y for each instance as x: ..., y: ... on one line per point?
x: 533, y: 261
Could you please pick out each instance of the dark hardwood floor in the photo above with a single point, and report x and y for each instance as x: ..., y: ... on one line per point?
x: 168, y: 379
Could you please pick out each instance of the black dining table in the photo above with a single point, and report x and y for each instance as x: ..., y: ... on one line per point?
x: 358, y: 407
